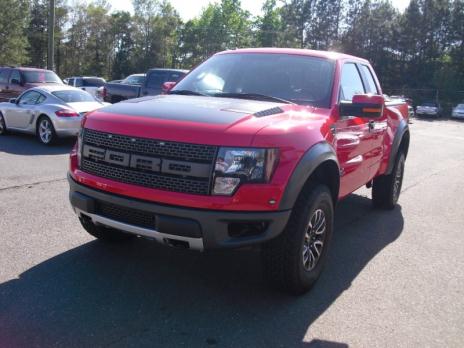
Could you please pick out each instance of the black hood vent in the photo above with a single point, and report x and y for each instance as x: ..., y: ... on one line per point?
x: 269, y: 112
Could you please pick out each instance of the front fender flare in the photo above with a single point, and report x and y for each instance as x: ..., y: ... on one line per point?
x: 316, y: 155
x: 400, y: 132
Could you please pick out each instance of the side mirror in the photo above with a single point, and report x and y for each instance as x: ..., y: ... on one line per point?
x: 15, y: 82
x: 167, y: 86
x: 363, y: 105
x: 13, y: 100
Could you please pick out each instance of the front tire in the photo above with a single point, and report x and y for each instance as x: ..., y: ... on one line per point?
x: 386, y: 189
x: 3, y: 129
x: 103, y: 233
x: 45, y: 131
x: 294, y: 260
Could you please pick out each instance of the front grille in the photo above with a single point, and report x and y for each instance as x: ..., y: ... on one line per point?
x: 156, y: 181
x: 129, y: 216
x: 158, y: 148
x: 187, y: 168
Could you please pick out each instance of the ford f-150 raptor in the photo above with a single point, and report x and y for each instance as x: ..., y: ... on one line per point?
x: 254, y: 146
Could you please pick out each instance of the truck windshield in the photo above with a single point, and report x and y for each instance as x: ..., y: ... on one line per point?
x: 41, y: 77
x: 296, y: 78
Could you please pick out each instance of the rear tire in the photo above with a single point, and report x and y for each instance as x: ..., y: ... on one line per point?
x: 3, y: 129
x: 387, y: 188
x: 45, y: 131
x: 294, y: 260
x: 103, y: 233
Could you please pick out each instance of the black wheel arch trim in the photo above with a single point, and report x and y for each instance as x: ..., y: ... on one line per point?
x: 311, y: 160
x: 401, y: 131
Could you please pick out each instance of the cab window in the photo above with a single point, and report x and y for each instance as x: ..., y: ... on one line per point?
x: 369, y: 80
x: 15, y: 76
x: 156, y: 79
x: 4, y: 76
x: 351, y: 83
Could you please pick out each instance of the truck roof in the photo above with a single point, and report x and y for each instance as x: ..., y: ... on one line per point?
x: 296, y: 51
x: 168, y: 69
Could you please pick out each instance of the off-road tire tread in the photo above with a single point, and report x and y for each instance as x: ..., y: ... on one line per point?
x: 279, y: 255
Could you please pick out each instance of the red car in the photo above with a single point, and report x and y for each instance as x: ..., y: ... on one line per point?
x: 14, y: 81
x: 254, y: 146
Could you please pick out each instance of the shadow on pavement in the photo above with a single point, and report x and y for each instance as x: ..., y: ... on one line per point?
x: 142, y: 294
x: 27, y: 145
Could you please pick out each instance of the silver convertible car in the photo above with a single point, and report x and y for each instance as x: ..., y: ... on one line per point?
x: 49, y: 112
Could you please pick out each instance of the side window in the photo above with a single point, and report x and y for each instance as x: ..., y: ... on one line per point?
x: 156, y: 79
x: 93, y: 82
x: 370, y: 83
x: 40, y: 99
x: 15, y: 76
x: 79, y: 83
x: 71, y: 82
x: 351, y: 82
x: 4, y: 76
x: 175, y: 76
x: 29, y: 98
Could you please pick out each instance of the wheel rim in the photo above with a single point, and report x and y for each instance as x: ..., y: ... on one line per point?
x: 398, y: 181
x: 313, y: 242
x: 45, y: 131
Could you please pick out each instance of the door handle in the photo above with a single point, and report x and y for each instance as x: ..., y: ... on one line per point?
x: 371, y: 125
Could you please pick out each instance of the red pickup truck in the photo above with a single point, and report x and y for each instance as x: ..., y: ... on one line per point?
x: 254, y: 146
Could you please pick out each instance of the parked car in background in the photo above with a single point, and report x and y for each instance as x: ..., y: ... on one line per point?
x: 458, y: 111
x: 87, y: 83
x: 49, y: 112
x: 14, y: 81
x: 151, y: 85
x: 429, y: 108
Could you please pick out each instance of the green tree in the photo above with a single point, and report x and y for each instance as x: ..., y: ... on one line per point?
x: 13, y: 23
x: 37, y: 33
x: 269, y: 25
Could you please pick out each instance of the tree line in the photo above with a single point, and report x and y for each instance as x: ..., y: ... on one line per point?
x: 420, y: 48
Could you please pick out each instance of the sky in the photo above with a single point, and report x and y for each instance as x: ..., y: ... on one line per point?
x: 189, y: 9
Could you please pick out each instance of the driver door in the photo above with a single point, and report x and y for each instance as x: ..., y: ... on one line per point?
x: 19, y: 116
x: 353, y: 139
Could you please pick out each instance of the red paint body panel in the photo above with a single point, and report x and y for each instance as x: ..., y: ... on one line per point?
x: 362, y: 153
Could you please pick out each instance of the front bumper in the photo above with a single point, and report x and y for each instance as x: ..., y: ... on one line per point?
x: 193, y: 228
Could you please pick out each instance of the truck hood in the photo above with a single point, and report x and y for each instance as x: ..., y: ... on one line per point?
x: 195, y: 119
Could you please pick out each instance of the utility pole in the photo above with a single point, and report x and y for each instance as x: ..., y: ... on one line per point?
x: 51, y: 36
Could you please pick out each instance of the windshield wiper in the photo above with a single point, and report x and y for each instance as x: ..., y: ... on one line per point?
x: 254, y: 96
x: 186, y: 92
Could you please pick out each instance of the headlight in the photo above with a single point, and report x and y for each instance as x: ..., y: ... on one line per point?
x: 235, y: 166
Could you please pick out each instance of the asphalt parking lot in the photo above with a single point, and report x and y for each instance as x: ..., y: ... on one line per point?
x: 394, y: 279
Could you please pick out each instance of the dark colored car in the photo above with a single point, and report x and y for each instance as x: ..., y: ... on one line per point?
x: 151, y: 85
x: 14, y: 81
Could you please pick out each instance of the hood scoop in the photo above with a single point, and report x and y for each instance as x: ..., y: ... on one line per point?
x: 269, y: 112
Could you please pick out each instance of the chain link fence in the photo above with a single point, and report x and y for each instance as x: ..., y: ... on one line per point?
x: 447, y: 99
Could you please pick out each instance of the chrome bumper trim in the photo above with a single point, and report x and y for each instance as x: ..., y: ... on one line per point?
x: 194, y: 243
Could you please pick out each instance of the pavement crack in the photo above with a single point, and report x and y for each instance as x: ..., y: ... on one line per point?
x: 14, y: 187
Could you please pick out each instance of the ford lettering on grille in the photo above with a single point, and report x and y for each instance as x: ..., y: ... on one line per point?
x: 146, y: 163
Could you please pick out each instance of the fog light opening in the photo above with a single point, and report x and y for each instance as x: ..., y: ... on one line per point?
x: 247, y: 229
